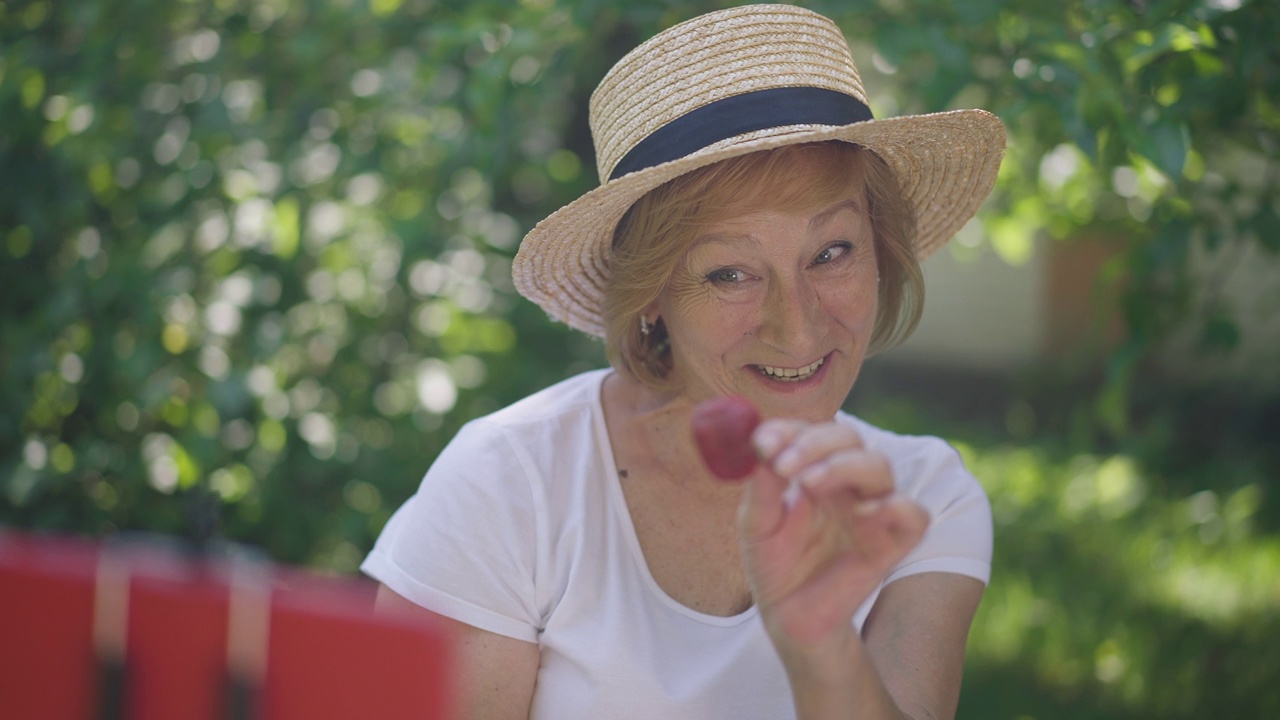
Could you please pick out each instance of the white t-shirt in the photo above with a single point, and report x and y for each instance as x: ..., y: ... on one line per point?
x: 521, y: 528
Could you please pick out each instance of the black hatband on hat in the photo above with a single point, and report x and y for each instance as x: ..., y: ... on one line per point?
x: 739, y: 114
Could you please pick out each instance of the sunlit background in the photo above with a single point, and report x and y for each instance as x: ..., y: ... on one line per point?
x: 255, y: 261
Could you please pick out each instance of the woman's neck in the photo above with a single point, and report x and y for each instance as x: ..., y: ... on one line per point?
x: 651, y: 432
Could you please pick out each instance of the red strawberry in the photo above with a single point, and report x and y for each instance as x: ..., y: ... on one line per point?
x: 722, y: 428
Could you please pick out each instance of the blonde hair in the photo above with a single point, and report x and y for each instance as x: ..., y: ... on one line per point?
x: 656, y: 232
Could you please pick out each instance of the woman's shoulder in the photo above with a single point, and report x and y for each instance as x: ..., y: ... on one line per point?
x: 898, y: 446
x: 575, y: 395
x: 922, y: 464
x: 558, y: 421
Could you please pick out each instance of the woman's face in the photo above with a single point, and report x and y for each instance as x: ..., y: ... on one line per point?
x: 775, y: 307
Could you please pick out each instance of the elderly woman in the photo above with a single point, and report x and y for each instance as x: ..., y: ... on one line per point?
x: 756, y: 235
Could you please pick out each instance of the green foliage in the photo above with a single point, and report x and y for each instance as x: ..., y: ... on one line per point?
x: 1110, y: 595
x: 259, y: 251
x: 1135, y: 583
x: 1154, y: 124
x: 264, y: 247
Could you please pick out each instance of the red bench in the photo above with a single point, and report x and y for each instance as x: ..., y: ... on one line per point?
x: 306, y: 648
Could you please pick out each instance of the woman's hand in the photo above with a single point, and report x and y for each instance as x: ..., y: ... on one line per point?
x: 821, y: 527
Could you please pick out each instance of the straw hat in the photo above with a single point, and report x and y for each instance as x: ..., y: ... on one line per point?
x: 726, y: 84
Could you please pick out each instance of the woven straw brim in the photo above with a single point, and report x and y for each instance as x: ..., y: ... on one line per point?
x: 946, y: 165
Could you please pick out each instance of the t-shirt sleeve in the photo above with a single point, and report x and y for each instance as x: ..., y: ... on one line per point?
x: 463, y: 546
x: 959, y: 537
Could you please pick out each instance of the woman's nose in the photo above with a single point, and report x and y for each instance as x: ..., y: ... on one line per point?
x: 792, y: 319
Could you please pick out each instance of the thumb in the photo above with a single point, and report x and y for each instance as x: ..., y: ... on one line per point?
x: 763, y: 506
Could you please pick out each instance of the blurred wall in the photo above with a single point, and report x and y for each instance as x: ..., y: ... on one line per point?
x: 980, y: 312
x: 1059, y: 306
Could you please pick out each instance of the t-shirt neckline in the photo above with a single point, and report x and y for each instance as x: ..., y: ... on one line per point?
x: 618, y: 500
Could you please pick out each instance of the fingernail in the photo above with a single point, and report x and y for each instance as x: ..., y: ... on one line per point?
x: 767, y: 441
x: 869, y: 507
x: 810, y: 476
x: 791, y: 495
x: 788, y: 462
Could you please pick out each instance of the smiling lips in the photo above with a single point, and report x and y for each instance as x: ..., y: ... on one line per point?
x: 790, y: 374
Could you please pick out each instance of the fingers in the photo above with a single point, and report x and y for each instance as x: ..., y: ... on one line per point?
x: 789, y: 444
x: 836, y: 589
x: 894, y: 528
x: 773, y: 436
x: 824, y: 458
x: 762, y: 508
x: 810, y: 471
x: 864, y: 472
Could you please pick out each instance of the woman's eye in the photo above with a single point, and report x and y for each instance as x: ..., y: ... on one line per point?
x: 832, y: 253
x: 725, y: 276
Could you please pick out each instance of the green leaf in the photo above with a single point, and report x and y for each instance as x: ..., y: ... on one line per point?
x: 1165, y: 143
x: 1170, y: 138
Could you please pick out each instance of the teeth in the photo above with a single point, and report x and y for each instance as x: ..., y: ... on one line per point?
x: 791, y: 374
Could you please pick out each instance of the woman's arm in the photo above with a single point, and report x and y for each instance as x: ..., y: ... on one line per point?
x: 916, y: 635
x: 492, y: 676
x: 815, y: 553
x: 908, y: 664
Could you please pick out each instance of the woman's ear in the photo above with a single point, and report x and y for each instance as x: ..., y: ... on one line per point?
x: 651, y: 313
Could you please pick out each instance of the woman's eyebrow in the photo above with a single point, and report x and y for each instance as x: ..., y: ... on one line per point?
x: 723, y: 238
x: 832, y: 211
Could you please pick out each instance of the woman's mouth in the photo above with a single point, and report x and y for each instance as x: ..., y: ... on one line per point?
x: 790, y: 374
